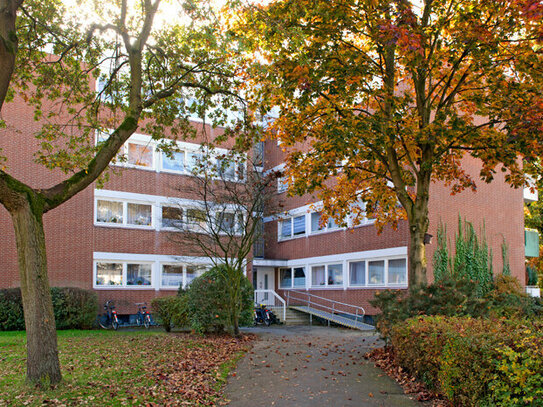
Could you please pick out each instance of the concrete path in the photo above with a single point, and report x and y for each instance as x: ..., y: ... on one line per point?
x: 313, y: 367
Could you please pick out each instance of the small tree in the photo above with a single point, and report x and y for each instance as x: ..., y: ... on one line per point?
x: 225, y: 220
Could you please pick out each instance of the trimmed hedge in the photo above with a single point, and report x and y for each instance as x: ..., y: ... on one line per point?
x: 474, y: 362
x: 74, y: 308
x: 171, y: 311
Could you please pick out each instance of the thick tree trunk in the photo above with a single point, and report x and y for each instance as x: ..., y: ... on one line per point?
x: 42, y: 366
x: 417, y: 256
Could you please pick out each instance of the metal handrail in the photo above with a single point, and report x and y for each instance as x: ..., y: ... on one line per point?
x: 309, y: 302
x: 277, y: 296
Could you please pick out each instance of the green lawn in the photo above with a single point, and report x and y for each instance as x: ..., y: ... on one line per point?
x: 124, y: 368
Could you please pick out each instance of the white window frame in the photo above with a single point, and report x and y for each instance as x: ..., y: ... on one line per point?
x: 385, y: 271
x: 124, y: 223
x: 298, y: 287
x: 124, y: 278
x: 326, y: 275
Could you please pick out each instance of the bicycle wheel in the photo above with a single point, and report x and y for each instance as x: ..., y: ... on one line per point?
x: 138, y: 319
x: 147, y: 321
x: 103, y: 321
x: 115, y: 324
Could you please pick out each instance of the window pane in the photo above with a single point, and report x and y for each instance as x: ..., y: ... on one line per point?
x: 138, y: 274
x: 335, y: 274
x: 285, y: 278
x: 109, y: 212
x: 196, y: 218
x: 139, y: 214
x: 227, y: 168
x: 299, y: 225
x: 172, y: 276
x: 317, y: 275
x: 299, y: 277
x: 194, y: 160
x: 109, y: 274
x: 332, y: 223
x: 172, y: 217
x: 226, y: 221
x: 357, y: 273
x: 282, y: 184
x: 376, y: 272
x: 193, y: 272
x: 286, y: 226
x: 175, y: 163
x: 397, y: 271
x: 315, y: 220
x: 139, y: 154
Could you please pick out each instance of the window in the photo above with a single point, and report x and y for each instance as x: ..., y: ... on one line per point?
x: 335, y: 274
x: 138, y: 274
x: 108, y: 274
x: 299, y: 225
x: 109, y: 211
x: 226, y: 169
x: 282, y: 184
x: 327, y: 275
x: 299, y: 277
x: 226, y: 222
x: 123, y: 213
x: 174, y: 163
x: 139, y: 214
x: 316, y: 223
x: 291, y: 277
x: 194, y: 160
x: 196, y: 219
x: 172, y: 217
x: 140, y: 155
x: 376, y: 272
x: 172, y: 275
x: 286, y: 228
x: 317, y: 275
x: 397, y: 271
x: 285, y: 278
x: 357, y: 273
x: 193, y: 272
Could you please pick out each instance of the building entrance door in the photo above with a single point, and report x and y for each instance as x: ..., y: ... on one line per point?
x: 264, y: 280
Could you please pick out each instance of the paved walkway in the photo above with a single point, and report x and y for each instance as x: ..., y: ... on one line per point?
x: 312, y: 366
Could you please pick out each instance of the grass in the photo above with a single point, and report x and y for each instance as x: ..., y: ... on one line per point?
x: 124, y: 368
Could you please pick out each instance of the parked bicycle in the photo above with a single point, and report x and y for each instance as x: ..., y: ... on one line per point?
x: 109, y: 318
x: 143, y: 317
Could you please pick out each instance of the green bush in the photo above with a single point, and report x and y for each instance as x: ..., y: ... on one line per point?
x: 474, y: 362
x: 171, y: 311
x: 209, y: 306
x: 446, y: 297
x: 74, y: 308
x: 451, y: 297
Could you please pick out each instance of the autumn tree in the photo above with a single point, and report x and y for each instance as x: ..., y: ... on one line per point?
x: 230, y: 193
x: 378, y: 99
x: 50, y: 59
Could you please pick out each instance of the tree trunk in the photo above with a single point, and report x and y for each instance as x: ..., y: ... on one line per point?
x: 42, y: 365
x: 417, y: 256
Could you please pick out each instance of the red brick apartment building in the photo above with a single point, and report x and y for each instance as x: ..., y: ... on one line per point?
x: 115, y: 240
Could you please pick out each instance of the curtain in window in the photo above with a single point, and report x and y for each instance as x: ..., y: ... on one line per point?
x: 286, y: 227
x: 109, y: 212
x: 376, y: 272
x: 109, y: 274
x: 139, y: 214
x: 138, y: 274
x: 172, y: 275
x: 397, y: 271
x: 335, y: 274
x: 317, y: 275
x: 357, y: 273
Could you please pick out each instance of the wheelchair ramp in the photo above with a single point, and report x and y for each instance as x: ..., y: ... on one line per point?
x: 336, y: 318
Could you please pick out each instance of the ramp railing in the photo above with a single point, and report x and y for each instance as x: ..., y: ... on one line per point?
x: 295, y: 297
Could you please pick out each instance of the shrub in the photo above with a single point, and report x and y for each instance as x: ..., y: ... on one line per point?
x: 446, y: 297
x: 451, y: 297
x: 474, y: 362
x: 74, y: 308
x: 209, y: 306
x: 171, y: 311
